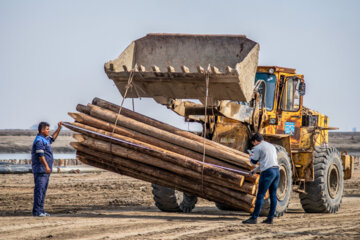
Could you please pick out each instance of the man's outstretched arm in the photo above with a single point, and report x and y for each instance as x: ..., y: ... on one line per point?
x: 56, y: 133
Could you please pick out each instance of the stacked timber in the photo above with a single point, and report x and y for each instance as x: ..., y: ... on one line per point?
x: 141, y: 147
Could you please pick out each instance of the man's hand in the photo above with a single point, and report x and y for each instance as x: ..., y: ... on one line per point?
x: 59, y: 124
x: 47, y: 169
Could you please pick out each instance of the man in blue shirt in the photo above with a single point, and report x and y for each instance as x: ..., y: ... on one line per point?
x: 42, y: 160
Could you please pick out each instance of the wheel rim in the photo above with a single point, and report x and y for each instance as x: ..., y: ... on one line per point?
x: 283, y: 184
x: 179, y: 196
x: 333, y: 181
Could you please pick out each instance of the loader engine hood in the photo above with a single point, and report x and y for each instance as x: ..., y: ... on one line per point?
x: 173, y: 66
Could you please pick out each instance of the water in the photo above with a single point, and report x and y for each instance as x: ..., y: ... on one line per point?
x: 20, y: 156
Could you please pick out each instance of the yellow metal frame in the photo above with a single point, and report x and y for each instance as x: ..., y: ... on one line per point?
x: 348, y: 164
x: 299, y: 146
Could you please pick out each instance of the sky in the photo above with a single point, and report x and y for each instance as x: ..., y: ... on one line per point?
x: 52, y: 53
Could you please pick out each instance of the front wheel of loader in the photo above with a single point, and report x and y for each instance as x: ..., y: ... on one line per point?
x: 324, y: 194
x: 285, y: 185
x: 171, y: 200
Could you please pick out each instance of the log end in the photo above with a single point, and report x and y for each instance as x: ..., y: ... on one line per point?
x: 83, y: 109
x: 76, y: 116
x: 96, y: 100
x: 78, y: 137
x: 75, y: 145
x: 242, y: 179
x: 253, y: 202
x: 257, y: 179
x: 253, y: 191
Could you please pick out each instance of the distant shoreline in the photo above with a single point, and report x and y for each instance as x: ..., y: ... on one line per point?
x: 27, y: 149
x: 20, y: 141
x: 29, y: 132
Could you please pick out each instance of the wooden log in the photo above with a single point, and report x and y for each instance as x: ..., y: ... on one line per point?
x: 99, y: 124
x: 96, y: 162
x: 111, y: 117
x: 99, y: 145
x: 155, y: 123
x: 249, y: 188
x: 83, y: 109
x: 140, y: 154
x: 139, y: 147
x: 175, y: 181
x: 92, y: 161
x: 248, y: 198
x: 126, y: 164
x: 185, y: 166
x: 139, y: 117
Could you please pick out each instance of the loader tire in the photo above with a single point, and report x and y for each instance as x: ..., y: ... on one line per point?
x: 324, y: 194
x: 285, y: 184
x: 171, y: 200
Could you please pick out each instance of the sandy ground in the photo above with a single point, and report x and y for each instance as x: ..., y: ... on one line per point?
x: 106, y: 205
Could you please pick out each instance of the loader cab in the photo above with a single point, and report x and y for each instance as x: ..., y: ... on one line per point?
x: 284, y: 98
x: 270, y: 81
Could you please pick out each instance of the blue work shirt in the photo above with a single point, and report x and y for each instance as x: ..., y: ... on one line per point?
x: 42, y: 147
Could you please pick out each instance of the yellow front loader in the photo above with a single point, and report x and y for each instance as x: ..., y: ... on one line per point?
x: 236, y: 98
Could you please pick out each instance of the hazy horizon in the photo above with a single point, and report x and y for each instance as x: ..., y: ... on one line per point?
x: 53, y: 52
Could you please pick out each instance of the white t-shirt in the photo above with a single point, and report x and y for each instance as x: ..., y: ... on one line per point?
x: 265, y: 154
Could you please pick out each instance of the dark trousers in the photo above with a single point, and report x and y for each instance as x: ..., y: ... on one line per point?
x: 41, y: 184
x: 269, y: 179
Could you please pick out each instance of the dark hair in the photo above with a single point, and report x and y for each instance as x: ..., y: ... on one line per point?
x: 257, y: 136
x: 43, y: 125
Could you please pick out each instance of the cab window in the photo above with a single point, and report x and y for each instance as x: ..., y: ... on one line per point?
x: 270, y: 81
x: 291, y: 97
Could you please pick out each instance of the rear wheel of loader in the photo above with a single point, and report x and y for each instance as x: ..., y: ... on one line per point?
x: 170, y: 200
x: 284, y: 189
x: 324, y: 194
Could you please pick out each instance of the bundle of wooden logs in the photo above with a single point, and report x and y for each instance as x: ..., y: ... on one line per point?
x: 141, y: 147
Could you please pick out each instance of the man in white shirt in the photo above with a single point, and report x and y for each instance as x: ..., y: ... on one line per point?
x: 265, y: 154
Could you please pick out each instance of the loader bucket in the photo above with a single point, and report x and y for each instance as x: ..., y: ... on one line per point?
x: 175, y: 66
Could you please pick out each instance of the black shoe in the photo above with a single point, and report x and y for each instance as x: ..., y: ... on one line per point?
x: 250, y: 221
x: 268, y: 221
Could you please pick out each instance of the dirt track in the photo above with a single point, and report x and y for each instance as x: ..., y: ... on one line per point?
x: 109, y: 206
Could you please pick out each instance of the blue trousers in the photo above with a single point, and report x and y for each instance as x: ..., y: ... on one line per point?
x: 269, y: 179
x: 41, y: 184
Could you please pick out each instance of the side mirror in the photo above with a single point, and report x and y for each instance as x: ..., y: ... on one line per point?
x: 302, y: 88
